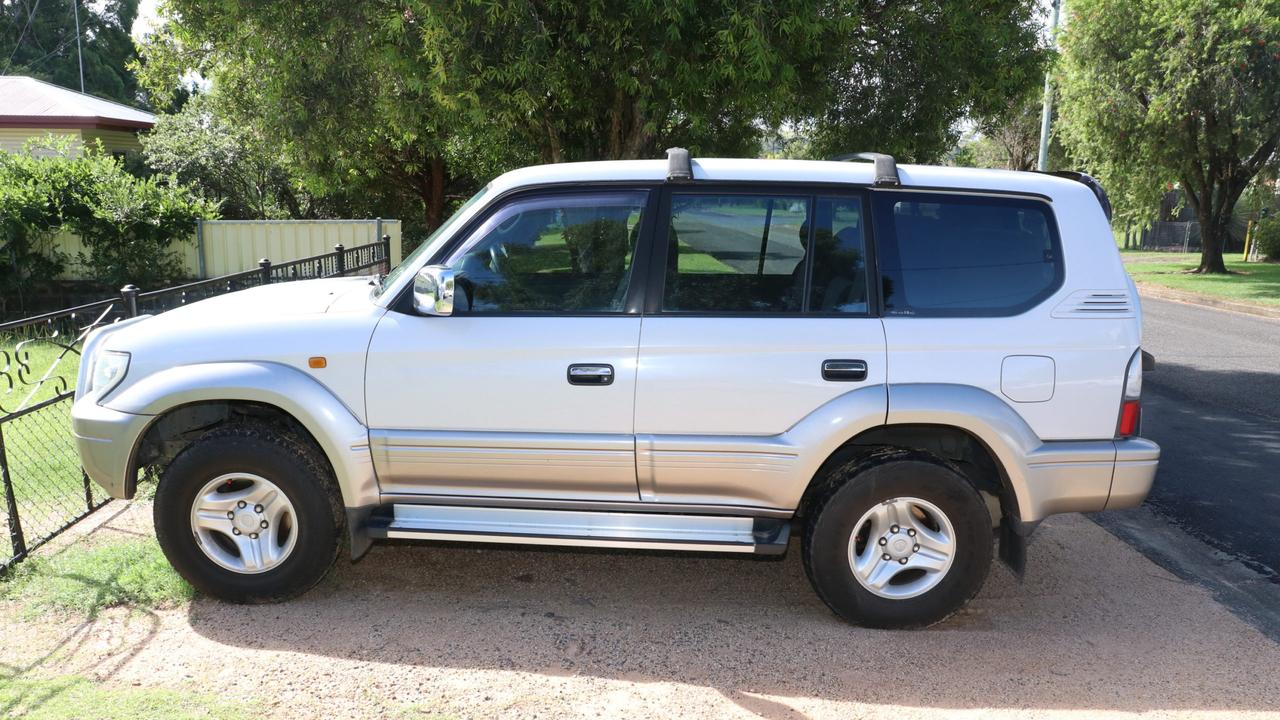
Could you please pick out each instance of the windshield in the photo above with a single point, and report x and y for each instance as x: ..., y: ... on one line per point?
x: 412, y: 259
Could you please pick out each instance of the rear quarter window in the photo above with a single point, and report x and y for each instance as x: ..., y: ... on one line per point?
x: 950, y: 255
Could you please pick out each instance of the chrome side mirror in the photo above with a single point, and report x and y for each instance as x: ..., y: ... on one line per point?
x: 433, y: 290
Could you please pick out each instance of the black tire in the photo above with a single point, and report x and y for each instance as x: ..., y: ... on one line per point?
x: 850, y: 491
x: 299, y: 470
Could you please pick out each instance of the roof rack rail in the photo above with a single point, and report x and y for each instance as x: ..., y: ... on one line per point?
x: 1089, y: 182
x: 679, y: 167
x: 886, y: 166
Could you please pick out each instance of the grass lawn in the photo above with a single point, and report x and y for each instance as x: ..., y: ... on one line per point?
x: 85, y: 580
x: 692, y: 261
x: 1255, y: 283
x: 39, y: 448
x: 71, y: 696
x: 25, y: 362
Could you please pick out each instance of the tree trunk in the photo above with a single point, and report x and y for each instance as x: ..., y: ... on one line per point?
x: 435, y: 194
x: 1212, y: 240
x: 1213, y: 200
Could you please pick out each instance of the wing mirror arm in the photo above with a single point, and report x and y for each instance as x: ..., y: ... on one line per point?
x: 433, y: 290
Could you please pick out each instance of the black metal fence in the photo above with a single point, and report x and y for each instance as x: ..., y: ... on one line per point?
x: 45, y: 490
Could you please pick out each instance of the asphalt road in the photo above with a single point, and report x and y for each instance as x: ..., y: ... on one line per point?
x: 1213, y: 405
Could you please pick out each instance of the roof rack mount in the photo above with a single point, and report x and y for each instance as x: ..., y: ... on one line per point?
x: 886, y: 166
x: 679, y: 167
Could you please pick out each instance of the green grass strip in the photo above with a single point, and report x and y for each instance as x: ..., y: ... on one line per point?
x: 87, y: 580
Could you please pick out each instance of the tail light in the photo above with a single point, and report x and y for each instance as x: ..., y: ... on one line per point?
x: 1131, y: 402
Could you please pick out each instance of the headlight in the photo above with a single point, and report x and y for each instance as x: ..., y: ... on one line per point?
x: 108, y: 370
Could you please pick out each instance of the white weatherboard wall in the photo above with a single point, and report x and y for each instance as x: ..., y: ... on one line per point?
x: 14, y: 140
x: 231, y: 246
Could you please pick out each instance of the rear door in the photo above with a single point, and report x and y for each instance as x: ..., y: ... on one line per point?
x: 757, y: 314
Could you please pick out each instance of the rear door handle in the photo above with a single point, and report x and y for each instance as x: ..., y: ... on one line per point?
x: 590, y: 374
x: 844, y: 370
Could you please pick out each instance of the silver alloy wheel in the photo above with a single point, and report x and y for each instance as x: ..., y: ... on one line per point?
x: 902, y: 548
x: 244, y: 523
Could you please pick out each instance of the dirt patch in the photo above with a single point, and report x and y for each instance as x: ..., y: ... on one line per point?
x: 1096, y: 630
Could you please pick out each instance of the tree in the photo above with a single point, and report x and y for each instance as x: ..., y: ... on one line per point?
x: 336, y: 91
x: 1015, y: 133
x: 903, y: 75
x: 1009, y: 139
x: 600, y: 80
x: 595, y: 80
x: 38, y: 38
x: 424, y: 98
x: 227, y: 161
x: 1155, y: 91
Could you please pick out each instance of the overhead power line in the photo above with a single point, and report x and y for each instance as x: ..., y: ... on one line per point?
x: 21, y: 35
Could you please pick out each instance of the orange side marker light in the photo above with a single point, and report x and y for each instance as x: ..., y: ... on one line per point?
x: 317, y: 362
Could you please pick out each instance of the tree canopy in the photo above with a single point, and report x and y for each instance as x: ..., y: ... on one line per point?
x: 901, y: 76
x: 420, y: 101
x: 38, y: 38
x: 1161, y: 91
x: 228, y: 161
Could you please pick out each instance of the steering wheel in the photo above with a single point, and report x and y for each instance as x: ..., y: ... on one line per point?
x: 498, y: 255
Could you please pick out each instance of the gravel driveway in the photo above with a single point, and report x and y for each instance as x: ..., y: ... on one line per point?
x: 1095, y: 631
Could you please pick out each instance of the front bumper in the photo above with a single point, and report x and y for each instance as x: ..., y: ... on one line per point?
x: 106, y: 439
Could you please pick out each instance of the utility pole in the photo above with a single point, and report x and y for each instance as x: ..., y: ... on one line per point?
x: 75, y: 10
x: 1046, y: 113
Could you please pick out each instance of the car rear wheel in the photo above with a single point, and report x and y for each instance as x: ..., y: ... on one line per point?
x: 898, y: 539
x: 249, y: 513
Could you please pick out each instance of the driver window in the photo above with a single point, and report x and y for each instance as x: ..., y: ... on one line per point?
x: 561, y: 253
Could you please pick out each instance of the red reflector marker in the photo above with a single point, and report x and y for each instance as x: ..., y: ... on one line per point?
x: 1130, y: 413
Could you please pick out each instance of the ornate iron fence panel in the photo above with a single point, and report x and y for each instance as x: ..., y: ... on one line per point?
x: 44, y: 489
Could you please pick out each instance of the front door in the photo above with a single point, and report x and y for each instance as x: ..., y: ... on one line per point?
x: 528, y: 389
x: 764, y: 317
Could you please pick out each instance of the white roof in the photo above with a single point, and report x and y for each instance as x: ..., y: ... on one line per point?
x: 815, y: 171
x: 27, y: 102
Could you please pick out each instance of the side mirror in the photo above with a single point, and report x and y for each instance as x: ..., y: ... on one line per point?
x: 433, y: 290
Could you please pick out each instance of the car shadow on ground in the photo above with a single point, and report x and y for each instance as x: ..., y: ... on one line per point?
x: 1219, y: 476
x: 1093, y: 627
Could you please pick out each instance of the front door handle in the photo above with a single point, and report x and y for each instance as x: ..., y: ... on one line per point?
x: 590, y: 374
x: 844, y: 370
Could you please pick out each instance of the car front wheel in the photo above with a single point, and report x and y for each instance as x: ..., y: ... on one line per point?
x: 248, y: 513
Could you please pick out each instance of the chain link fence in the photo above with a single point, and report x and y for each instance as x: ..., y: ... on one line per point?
x: 1172, y: 237
x: 45, y: 490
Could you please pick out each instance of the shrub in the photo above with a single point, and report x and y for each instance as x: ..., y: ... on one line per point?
x: 1267, y: 234
x: 26, y: 230
x: 129, y: 225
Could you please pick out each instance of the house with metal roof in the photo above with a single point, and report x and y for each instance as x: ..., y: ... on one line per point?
x: 31, y: 108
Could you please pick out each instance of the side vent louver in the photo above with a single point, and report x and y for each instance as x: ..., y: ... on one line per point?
x: 1096, y: 304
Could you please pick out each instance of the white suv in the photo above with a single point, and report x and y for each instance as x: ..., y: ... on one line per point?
x: 903, y: 365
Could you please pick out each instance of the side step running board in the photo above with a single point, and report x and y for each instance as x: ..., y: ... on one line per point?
x: 702, y: 533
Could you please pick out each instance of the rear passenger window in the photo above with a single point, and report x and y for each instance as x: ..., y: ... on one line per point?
x: 956, y: 255
x: 838, y: 282
x: 736, y: 253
